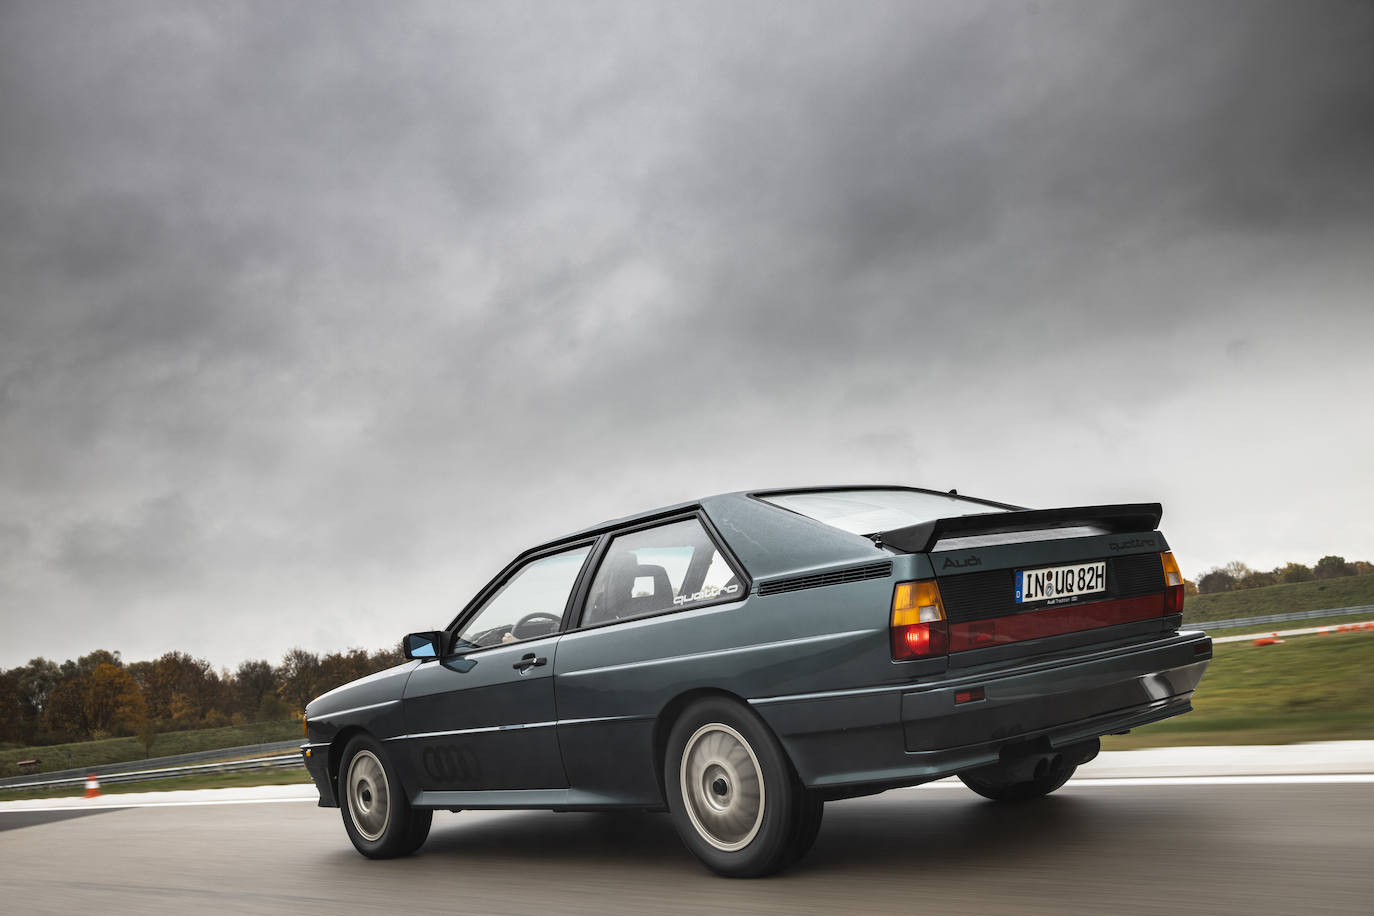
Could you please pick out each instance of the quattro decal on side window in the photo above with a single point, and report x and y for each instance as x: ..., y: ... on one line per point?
x: 659, y: 569
x: 706, y: 594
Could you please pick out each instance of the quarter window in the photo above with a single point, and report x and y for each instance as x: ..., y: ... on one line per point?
x: 528, y: 605
x: 660, y: 569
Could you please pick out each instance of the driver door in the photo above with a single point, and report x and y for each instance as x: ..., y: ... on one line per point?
x: 483, y: 718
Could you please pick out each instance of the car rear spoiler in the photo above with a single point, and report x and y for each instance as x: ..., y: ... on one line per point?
x: 1116, y: 519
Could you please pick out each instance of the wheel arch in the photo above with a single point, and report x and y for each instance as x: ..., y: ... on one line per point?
x: 668, y: 716
x: 336, y: 750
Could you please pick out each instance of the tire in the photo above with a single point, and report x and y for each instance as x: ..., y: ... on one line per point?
x: 731, y: 791
x: 376, y: 815
x: 810, y: 811
x: 988, y: 783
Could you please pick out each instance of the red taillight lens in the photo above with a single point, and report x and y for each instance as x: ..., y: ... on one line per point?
x: 1173, y: 584
x: 918, y: 621
x: 919, y: 640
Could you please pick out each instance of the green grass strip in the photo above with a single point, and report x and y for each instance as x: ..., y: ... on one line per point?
x: 94, y: 754
x: 1310, y: 688
x: 1351, y: 591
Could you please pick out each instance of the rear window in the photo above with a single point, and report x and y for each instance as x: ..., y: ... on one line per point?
x: 871, y: 511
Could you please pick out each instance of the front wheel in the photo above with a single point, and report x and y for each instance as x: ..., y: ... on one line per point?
x: 376, y: 815
x: 731, y: 791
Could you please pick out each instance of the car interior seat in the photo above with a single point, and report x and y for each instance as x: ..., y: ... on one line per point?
x: 618, y: 600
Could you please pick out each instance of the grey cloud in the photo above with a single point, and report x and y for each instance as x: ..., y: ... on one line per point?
x: 380, y: 297
x: 155, y: 543
x: 13, y: 539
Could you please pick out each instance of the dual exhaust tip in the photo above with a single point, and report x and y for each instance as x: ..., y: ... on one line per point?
x: 1035, y: 760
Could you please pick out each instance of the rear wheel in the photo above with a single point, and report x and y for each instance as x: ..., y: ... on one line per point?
x: 810, y: 810
x: 994, y: 783
x: 731, y: 792
x: 376, y: 815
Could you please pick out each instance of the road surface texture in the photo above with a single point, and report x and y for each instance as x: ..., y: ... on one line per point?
x: 1278, y: 846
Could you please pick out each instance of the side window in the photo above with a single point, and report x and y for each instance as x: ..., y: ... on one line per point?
x: 528, y: 605
x: 658, y: 569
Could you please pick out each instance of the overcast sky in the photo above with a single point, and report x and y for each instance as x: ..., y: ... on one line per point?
x: 313, y: 315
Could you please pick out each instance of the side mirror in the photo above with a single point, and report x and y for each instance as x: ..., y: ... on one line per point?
x: 429, y: 644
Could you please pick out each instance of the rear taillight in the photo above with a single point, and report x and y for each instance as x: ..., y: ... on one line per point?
x: 918, y: 621
x: 1173, y: 584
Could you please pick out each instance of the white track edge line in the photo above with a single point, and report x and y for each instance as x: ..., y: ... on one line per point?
x: 160, y: 804
x: 1285, y: 779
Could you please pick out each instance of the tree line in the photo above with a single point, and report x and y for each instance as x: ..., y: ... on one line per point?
x: 1236, y: 575
x: 101, y: 696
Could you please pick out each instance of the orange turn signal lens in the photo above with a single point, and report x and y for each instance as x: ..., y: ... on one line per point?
x: 1173, y: 584
x: 1172, y: 575
x: 917, y: 602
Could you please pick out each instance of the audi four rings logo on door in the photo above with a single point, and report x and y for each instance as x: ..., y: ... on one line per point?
x: 451, y: 764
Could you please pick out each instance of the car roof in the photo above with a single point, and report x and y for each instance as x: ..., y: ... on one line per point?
x: 753, y: 494
x: 768, y: 539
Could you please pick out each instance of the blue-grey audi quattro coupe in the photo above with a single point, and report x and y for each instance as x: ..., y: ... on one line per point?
x: 741, y: 660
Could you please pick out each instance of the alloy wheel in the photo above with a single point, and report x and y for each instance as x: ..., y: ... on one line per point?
x: 722, y: 786
x: 369, y: 801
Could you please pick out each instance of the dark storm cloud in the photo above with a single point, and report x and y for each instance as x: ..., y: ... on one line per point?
x: 312, y: 315
x: 1163, y: 120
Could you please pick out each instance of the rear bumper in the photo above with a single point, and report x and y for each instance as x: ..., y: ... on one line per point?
x: 850, y: 742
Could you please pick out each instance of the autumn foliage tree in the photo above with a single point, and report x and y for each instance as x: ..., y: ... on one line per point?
x: 1293, y: 572
x: 1332, y: 567
x: 98, y: 695
x: 114, y: 704
x: 301, y: 678
x: 1218, y: 580
x: 1236, y: 575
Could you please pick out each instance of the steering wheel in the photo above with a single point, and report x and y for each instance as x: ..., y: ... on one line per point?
x: 536, y: 617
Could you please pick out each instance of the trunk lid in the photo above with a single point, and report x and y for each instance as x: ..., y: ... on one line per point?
x: 1021, y: 583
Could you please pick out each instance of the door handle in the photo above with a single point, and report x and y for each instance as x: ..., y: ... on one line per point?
x: 529, y: 661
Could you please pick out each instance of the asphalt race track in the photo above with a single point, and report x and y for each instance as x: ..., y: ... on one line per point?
x: 1273, y: 847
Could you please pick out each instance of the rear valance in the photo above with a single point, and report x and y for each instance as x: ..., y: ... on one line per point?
x: 1115, y: 519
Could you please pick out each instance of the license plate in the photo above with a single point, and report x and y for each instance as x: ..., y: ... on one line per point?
x: 1059, y: 582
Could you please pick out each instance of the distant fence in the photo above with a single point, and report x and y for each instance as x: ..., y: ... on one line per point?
x: 1280, y: 618
x: 276, y: 762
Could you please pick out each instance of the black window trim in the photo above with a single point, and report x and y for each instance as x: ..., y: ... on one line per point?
x: 599, y: 555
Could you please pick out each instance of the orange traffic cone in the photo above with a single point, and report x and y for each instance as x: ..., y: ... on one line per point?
x: 92, y: 786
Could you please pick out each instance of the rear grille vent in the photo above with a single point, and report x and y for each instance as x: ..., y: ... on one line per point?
x: 820, y: 580
x: 1140, y: 574
x: 980, y: 596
